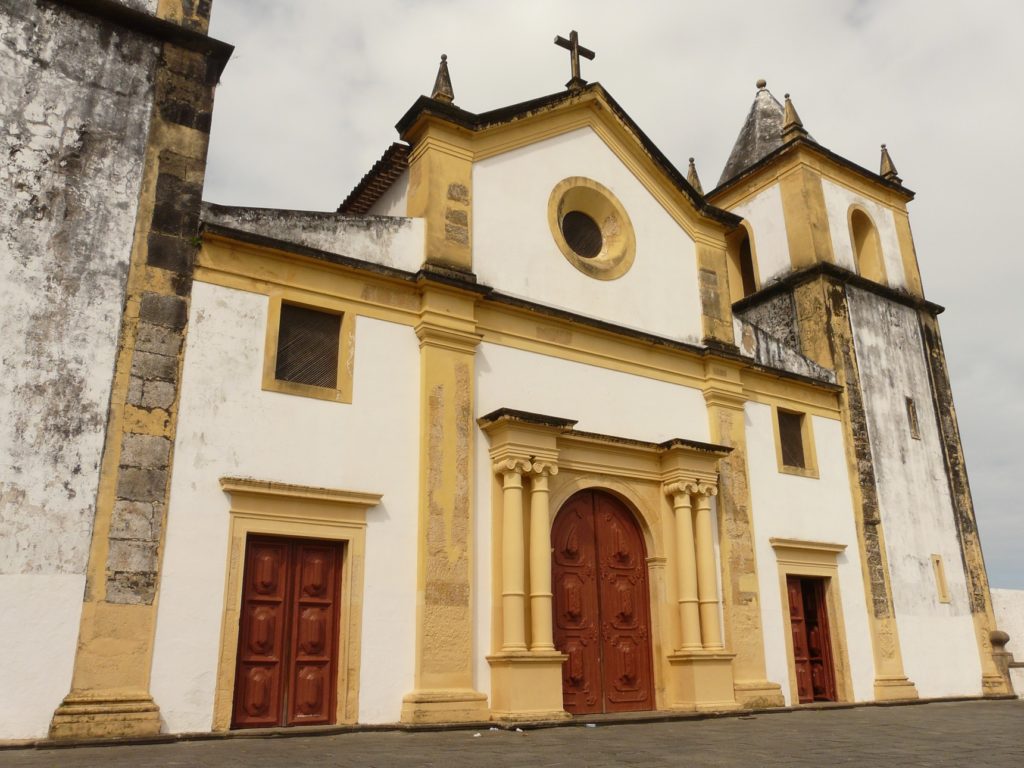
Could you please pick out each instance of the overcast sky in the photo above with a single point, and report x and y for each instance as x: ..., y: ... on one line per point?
x: 310, y: 97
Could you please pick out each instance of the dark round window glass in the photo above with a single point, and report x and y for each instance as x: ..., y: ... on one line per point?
x: 582, y: 234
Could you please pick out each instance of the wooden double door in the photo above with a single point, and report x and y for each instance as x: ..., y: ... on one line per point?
x: 288, y: 633
x: 601, y: 606
x: 812, y: 643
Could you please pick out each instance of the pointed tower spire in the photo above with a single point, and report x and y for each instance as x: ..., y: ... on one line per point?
x: 888, y: 170
x: 443, y: 83
x: 791, y: 123
x: 693, y: 178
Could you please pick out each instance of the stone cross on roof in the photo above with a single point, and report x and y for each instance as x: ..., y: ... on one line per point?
x: 575, y: 51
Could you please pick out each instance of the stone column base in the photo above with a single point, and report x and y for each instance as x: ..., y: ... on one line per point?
x: 106, y: 714
x: 702, y: 681
x: 448, y: 705
x: 889, y: 688
x: 527, y: 686
x: 759, y: 694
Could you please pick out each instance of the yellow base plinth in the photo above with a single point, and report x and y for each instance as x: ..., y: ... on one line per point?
x: 995, y: 685
x: 702, y: 681
x: 105, y: 715
x: 527, y: 686
x: 450, y: 705
x: 894, y: 689
x: 759, y: 694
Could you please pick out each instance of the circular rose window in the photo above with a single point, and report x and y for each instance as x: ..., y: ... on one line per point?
x: 591, y: 228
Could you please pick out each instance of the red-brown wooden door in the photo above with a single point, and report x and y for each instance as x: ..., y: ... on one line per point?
x: 812, y: 647
x: 288, y: 633
x: 601, y: 606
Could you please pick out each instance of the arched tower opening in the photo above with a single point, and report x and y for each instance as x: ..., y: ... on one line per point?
x: 742, y: 275
x: 867, y: 247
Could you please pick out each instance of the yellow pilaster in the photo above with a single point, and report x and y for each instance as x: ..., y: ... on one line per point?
x: 440, y: 192
x: 807, y: 229
x: 444, y: 690
x: 908, y: 253
x: 716, y: 306
x: 740, y: 591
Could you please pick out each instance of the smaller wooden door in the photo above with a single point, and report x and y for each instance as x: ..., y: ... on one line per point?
x: 812, y: 646
x: 288, y: 633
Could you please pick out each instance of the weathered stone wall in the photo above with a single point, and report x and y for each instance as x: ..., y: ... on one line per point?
x: 777, y: 316
x: 75, y: 101
x: 75, y: 104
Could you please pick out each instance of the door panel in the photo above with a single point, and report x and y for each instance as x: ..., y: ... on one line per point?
x: 574, y: 580
x: 315, y: 610
x: 601, y: 612
x: 261, y: 636
x: 628, y: 684
x: 286, y: 671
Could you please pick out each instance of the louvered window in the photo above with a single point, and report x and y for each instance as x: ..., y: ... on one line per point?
x: 307, y: 346
x: 792, y: 439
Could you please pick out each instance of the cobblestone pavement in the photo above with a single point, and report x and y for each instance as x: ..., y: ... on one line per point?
x: 983, y: 733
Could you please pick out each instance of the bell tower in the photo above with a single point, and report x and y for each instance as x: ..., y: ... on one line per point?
x: 825, y: 261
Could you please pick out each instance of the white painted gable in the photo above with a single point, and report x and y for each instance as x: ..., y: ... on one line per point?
x: 514, y: 251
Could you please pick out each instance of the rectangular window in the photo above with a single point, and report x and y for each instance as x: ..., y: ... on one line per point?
x: 915, y: 427
x: 309, y: 348
x: 791, y: 439
x: 940, y: 578
x: 794, y: 443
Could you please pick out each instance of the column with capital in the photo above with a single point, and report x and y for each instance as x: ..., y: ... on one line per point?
x: 513, y: 587
x: 541, y: 634
x: 707, y: 579
x: 686, y: 566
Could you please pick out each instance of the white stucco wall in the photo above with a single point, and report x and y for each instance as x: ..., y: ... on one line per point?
x: 394, y: 201
x: 914, y: 501
x: 813, y: 509
x: 75, y: 105
x: 764, y: 213
x: 603, y: 401
x: 228, y: 426
x: 39, y: 631
x: 838, y: 200
x: 515, y: 253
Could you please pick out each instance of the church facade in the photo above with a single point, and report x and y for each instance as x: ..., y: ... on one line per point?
x: 531, y: 427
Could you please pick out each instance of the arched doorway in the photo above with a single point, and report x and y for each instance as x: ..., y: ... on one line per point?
x: 601, y: 606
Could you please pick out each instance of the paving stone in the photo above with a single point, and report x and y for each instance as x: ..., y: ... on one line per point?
x: 977, y: 733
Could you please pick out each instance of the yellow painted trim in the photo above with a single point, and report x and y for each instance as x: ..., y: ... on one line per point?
x: 280, y: 509
x: 807, y: 436
x: 816, y: 559
x: 618, y: 249
x: 342, y: 393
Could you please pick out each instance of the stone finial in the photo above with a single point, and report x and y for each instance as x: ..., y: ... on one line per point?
x: 888, y: 170
x: 693, y: 178
x: 762, y: 84
x: 792, y: 126
x: 443, y: 83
